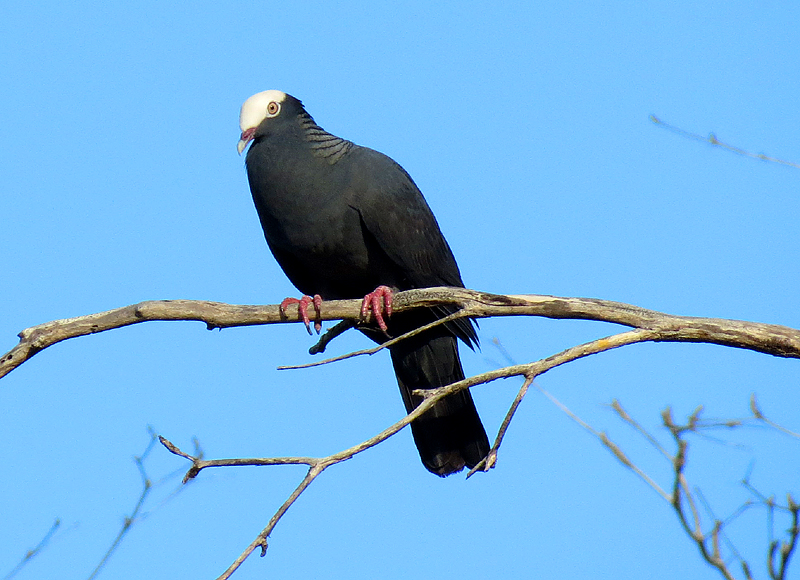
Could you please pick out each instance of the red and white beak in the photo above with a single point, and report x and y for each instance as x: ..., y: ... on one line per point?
x: 247, y: 136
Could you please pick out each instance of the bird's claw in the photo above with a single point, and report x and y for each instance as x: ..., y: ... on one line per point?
x: 380, y: 302
x: 302, y: 308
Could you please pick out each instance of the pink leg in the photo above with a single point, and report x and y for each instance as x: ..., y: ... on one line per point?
x: 380, y: 302
x: 302, y: 308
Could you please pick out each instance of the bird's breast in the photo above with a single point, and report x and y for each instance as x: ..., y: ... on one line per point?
x: 316, y: 236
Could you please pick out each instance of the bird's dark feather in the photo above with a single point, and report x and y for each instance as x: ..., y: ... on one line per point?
x: 341, y: 220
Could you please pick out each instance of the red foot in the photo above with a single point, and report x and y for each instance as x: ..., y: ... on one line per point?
x: 302, y: 308
x: 372, y: 301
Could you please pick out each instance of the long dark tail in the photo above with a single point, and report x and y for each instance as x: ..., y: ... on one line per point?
x: 450, y: 435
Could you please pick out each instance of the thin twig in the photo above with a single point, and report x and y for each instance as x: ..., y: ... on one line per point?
x: 375, y: 349
x: 30, y: 554
x: 679, y: 464
x: 623, y: 414
x: 754, y: 408
x: 330, y: 334
x: 136, y: 514
x: 490, y: 460
x: 261, y: 539
x: 786, y: 548
x: 615, y: 450
x: 712, y: 140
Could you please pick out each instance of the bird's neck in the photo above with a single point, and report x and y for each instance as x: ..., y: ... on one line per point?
x: 323, y: 144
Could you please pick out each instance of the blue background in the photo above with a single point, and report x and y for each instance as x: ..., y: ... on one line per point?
x: 526, y: 126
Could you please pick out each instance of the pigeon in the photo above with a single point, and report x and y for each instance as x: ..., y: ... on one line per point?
x: 345, y: 221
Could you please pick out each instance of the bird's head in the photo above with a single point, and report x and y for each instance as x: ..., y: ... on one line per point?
x: 262, y: 107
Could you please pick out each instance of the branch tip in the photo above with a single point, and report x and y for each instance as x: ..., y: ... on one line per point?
x: 172, y: 448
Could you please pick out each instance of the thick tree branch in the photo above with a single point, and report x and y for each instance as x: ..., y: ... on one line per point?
x: 767, y: 338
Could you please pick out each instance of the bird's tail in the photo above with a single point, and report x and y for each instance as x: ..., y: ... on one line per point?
x: 450, y: 435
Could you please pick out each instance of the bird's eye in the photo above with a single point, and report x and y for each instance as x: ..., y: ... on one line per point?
x: 273, y: 108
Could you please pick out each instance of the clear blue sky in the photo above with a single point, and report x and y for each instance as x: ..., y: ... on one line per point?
x: 527, y: 129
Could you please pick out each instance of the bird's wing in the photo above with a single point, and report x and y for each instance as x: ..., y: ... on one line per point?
x: 397, y: 217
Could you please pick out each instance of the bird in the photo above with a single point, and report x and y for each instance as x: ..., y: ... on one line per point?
x: 345, y: 221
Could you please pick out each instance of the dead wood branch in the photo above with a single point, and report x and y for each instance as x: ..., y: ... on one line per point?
x: 767, y: 338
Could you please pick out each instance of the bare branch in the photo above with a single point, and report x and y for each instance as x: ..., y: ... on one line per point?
x: 30, y: 554
x: 137, y: 514
x: 332, y: 333
x: 490, y: 460
x: 767, y: 338
x: 710, y: 544
x: 375, y: 349
x: 611, y: 446
x: 646, y: 325
x: 712, y: 140
x: 683, y: 499
x: 431, y: 396
x: 316, y: 466
x: 754, y: 408
x: 198, y: 463
x: 786, y: 548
